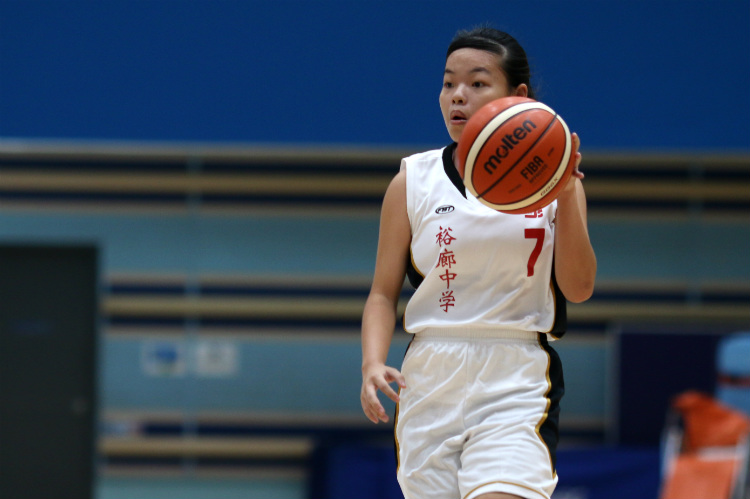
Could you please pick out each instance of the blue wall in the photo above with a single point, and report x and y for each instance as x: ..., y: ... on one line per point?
x: 625, y: 75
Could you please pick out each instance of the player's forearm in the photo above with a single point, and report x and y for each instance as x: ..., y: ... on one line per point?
x: 378, y: 322
x: 575, y: 261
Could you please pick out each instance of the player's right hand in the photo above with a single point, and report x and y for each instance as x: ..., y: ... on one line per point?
x: 374, y: 378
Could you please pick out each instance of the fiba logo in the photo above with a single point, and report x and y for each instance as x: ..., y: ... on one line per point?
x: 442, y: 210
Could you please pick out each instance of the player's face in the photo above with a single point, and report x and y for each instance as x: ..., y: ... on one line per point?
x: 472, y: 78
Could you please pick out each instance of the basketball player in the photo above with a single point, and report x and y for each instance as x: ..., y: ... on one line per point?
x: 479, y: 386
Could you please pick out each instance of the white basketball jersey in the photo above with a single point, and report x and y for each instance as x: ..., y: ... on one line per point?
x: 480, y: 268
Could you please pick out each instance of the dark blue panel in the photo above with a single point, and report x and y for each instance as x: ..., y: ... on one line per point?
x: 655, y: 365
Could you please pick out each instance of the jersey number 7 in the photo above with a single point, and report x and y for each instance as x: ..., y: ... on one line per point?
x: 537, y: 234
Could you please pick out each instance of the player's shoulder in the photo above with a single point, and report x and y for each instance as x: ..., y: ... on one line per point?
x: 423, y: 158
x: 430, y: 155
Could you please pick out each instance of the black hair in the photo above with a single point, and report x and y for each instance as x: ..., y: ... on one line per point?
x: 513, y: 60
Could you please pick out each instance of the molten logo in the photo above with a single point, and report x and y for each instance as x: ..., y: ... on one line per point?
x: 507, y: 145
x: 444, y: 209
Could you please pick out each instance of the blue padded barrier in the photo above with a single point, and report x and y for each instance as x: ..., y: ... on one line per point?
x: 733, y: 367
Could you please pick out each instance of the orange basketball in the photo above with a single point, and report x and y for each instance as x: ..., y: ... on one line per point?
x: 515, y: 155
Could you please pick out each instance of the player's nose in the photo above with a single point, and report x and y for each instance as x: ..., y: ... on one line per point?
x: 459, y: 95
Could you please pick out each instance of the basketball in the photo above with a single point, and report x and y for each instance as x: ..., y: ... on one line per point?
x: 515, y: 155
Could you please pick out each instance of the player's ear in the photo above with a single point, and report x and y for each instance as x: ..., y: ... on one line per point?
x: 521, y: 90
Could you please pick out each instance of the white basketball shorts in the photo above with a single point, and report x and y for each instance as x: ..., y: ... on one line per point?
x: 479, y: 414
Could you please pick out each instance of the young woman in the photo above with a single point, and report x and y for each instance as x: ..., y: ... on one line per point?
x: 479, y: 386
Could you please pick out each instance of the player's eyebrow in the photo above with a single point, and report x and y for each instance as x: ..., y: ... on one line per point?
x: 478, y: 69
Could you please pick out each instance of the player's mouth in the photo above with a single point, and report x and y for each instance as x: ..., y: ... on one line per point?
x: 458, y: 118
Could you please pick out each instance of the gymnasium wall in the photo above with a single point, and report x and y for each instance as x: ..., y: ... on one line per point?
x: 92, y: 94
x: 629, y: 75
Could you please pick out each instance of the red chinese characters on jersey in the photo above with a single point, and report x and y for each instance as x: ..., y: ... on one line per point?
x: 446, y: 261
x: 447, y: 300
x: 444, y: 237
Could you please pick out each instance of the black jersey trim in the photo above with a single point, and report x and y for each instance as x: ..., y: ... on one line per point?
x: 549, y: 427
x: 412, y: 272
x: 560, y: 325
x: 450, y: 169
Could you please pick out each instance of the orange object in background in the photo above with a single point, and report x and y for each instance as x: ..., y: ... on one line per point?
x: 709, y: 459
x: 708, y: 422
x: 694, y: 477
